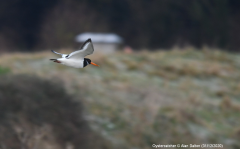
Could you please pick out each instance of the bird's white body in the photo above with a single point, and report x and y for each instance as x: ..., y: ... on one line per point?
x: 76, y: 59
x: 71, y: 62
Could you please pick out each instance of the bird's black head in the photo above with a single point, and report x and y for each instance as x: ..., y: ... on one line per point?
x: 86, y: 62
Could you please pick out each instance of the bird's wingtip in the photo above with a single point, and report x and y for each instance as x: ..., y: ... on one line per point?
x: 89, y: 40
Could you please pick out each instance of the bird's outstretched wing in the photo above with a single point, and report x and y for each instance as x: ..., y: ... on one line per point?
x: 86, y: 49
x: 63, y: 55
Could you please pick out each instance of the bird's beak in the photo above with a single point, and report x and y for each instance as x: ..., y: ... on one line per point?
x: 94, y: 64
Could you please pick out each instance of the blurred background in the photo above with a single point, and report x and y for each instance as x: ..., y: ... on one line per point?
x: 169, y: 74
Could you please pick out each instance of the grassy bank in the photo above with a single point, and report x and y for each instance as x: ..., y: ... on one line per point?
x: 139, y: 99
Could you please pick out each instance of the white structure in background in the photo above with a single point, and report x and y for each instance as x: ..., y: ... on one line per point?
x: 102, y: 42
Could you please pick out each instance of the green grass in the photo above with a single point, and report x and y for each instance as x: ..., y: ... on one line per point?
x: 163, y: 97
x: 4, y: 70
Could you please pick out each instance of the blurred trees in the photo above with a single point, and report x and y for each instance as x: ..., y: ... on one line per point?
x: 20, y: 22
x: 28, y: 24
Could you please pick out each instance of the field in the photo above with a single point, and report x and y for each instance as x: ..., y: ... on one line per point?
x: 164, y: 97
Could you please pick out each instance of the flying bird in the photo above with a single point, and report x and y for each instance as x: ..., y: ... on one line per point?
x: 77, y: 58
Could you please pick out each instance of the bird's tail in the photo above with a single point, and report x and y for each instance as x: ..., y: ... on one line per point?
x: 55, y: 60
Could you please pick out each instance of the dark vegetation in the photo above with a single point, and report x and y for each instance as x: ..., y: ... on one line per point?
x: 26, y: 24
x: 36, y: 113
